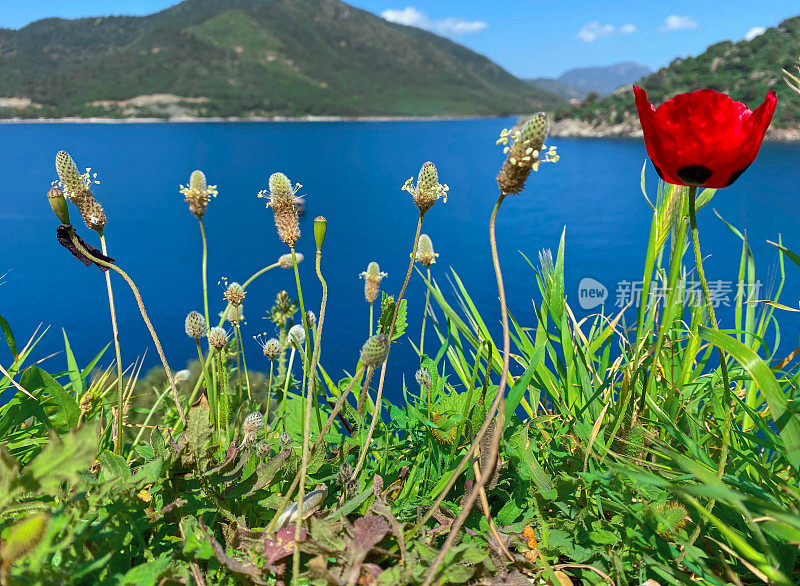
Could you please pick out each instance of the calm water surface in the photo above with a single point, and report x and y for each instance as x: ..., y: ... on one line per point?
x: 352, y: 174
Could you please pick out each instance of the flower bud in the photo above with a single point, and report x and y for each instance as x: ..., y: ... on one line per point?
x: 285, y: 260
x: 252, y: 426
x: 424, y: 378
x: 372, y: 281
x: 59, y: 204
x: 311, y: 319
x: 272, y: 348
x: 320, y: 229
x: 235, y: 314
x: 195, y: 325
x: 218, y: 338
x: 297, y: 336
x: 375, y: 350
x: 425, y: 254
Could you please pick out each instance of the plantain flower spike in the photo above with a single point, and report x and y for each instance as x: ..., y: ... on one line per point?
x: 198, y: 193
x: 525, y: 150
x: 372, y: 281
x: 235, y: 294
x: 428, y: 189
x: 320, y: 229
x: 281, y: 196
x: 195, y: 325
x: 218, y: 338
x: 425, y: 254
x: 75, y: 186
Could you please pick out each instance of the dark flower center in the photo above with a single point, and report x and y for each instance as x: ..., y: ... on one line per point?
x: 695, y: 174
x: 735, y: 176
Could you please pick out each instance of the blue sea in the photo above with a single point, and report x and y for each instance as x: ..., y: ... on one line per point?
x: 351, y: 173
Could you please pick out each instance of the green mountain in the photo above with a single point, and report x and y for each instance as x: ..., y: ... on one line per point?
x: 250, y: 58
x: 745, y: 70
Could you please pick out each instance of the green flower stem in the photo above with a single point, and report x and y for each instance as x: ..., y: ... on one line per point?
x: 371, y: 322
x: 244, y: 362
x: 269, y: 396
x: 317, y: 444
x: 140, y: 303
x: 204, y: 371
x: 118, y: 352
x: 132, y: 453
x: 497, y: 406
x: 209, y: 361
x: 376, y: 411
x: 286, y: 378
x: 312, y: 393
x: 204, y: 268
x: 425, y: 315
x: 726, y: 391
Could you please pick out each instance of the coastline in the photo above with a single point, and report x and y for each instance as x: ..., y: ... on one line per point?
x: 201, y: 120
x: 574, y: 128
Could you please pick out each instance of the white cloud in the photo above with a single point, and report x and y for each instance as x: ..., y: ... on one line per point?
x: 754, y: 32
x: 597, y: 30
x: 679, y: 23
x: 451, y: 26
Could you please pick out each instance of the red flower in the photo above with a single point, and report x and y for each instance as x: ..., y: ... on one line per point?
x: 703, y: 138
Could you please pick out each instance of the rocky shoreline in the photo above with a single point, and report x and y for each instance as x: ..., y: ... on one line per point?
x: 575, y: 128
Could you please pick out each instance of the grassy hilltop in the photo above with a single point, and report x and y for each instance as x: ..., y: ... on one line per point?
x: 250, y: 58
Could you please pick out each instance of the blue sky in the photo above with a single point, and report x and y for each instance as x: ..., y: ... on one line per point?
x: 527, y: 37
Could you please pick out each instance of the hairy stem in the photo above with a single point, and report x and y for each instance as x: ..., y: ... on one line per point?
x: 376, y: 411
x: 312, y: 393
x: 146, y: 319
x: 317, y: 444
x: 118, y: 352
x: 425, y: 316
x: 496, y: 407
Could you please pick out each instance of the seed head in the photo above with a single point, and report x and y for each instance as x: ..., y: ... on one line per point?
x: 235, y: 294
x: 372, y: 281
x: 76, y: 187
x: 68, y: 173
x: 217, y: 337
x: 272, y: 348
x: 524, y: 149
x: 424, y: 378
x: 281, y: 200
x: 285, y: 260
x: 425, y: 254
x: 297, y: 336
x: 311, y: 318
x: 58, y: 202
x: 198, y: 193
x: 428, y: 189
x: 252, y: 426
x: 375, y: 350
x: 195, y: 325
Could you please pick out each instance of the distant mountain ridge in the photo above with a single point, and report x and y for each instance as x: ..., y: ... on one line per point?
x: 577, y: 83
x: 745, y: 70
x: 250, y: 58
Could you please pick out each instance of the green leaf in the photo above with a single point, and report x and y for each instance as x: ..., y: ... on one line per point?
x: 113, y: 466
x: 147, y: 573
x: 787, y: 422
x: 9, y: 335
x: 522, y: 383
x: 35, y: 379
x: 387, y: 313
x: 74, y: 372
